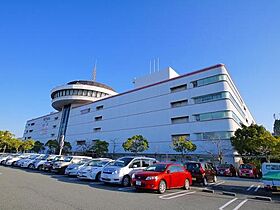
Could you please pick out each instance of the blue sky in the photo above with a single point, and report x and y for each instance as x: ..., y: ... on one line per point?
x: 48, y: 43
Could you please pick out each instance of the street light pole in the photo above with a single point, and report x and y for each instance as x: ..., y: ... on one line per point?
x: 61, y: 144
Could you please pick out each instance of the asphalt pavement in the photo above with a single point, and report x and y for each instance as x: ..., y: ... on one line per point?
x: 27, y: 189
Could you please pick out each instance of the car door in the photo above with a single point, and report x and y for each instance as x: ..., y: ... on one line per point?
x: 181, y: 176
x: 174, y: 176
x: 209, y: 172
x: 135, y: 166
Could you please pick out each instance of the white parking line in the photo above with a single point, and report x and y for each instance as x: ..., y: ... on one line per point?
x: 249, y: 188
x: 166, y: 197
x: 219, y: 183
x: 226, y: 204
x: 257, y: 188
x: 175, y: 193
x: 241, y: 204
x: 0, y: 173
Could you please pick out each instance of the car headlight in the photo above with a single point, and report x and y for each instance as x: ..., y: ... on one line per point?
x: 151, y: 178
x: 115, y: 172
x: 75, y: 168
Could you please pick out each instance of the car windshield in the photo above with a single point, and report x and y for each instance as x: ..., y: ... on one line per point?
x: 122, y: 162
x: 93, y: 163
x: 224, y: 166
x: 83, y: 161
x: 156, y: 168
x: 57, y: 158
x: 32, y: 157
x: 246, y: 166
x: 68, y: 159
x: 193, y: 167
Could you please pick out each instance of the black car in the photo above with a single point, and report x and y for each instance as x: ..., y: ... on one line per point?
x: 202, y: 172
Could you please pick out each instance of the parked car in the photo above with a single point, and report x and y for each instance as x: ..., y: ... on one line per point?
x: 47, y: 166
x: 121, y: 170
x: 38, y: 162
x: 92, y: 170
x: 27, y: 162
x: 202, y: 172
x: 72, y: 169
x: 248, y: 170
x: 271, y: 176
x: 4, y: 158
x: 12, y: 160
x: 18, y: 162
x: 162, y: 176
x: 60, y: 166
x: 226, y: 170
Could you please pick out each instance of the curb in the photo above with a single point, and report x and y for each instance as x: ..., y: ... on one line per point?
x: 228, y: 193
x: 207, y: 190
x: 263, y: 198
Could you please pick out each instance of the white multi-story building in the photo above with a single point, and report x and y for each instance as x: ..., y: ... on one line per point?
x: 203, y: 106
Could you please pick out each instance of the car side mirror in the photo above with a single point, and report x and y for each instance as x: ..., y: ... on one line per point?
x: 168, y: 171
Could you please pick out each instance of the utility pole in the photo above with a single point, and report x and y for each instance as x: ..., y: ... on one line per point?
x: 61, y: 144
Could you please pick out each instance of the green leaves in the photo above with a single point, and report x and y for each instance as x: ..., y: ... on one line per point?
x: 181, y: 144
x: 255, y: 140
x: 136, y: 144
x: 100, y: 148
x: 53, y: 145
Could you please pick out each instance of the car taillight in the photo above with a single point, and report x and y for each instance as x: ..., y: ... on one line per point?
x: 202, y: 171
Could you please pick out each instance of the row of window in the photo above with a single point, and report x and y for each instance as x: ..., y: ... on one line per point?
x: 79, y: 92
x: 220, y: 135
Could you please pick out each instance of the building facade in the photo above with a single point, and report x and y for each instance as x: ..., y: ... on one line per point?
x: 203, y: 106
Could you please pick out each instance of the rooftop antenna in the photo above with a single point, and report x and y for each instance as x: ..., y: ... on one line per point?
x: 158, y: 64
x: 94, y: 71
x: 154, y: 65
x: 150, y: 66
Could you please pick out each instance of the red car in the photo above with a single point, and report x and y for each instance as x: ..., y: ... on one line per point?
x: 226, y: 170
x: 162, y: 176
x: 248, y: 170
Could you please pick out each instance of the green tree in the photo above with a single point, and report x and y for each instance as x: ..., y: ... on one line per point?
x: 38, y: 146
x: 53, y: 145
x: 136, y: 144
x: 183, y: 145
x: 27, y: 145
x: 276, y: 127
x: 15, y: 144
x: 255, y: 140
x: 100, y: 148
x: 5, y: 138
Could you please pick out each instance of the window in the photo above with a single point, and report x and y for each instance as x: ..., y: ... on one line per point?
x: 30, y: 131
x: 84, y: 111
x: 99, y: 107
x: 211, y: 97
x: 218, y: 135
x: 54, y: 126
x: 75, y: 92
x: 90, y: 93
x: 32, y: 124
x: 212, y: 116
x: 209, y: 80
x: 56, y: 118
x: 145, y: 163
x: 177, y: 120
x: 52, y: 135
x: 172, y: 169
x: 176, y: 136
x: 85, y: 92
x: 29, y: 137
x: 179, y: 103
x: 98, y: 118
x: 81, y: 142
x: 80, y: 92
x: 179, y: 169
x: 135, y: 164
x: 97, y: 129
x: 178, y: 88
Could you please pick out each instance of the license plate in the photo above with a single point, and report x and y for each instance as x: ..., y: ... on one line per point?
x: 193, y: 178
x: 138, y: 183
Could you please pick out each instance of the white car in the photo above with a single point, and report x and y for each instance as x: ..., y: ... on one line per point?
x: 27, y: 162
x: 12, y: 160
x: 92, y: 170
x: 4, y: 157
x: 60, y: 167
x: 72, y: 169
x: 39, y: 162
x: 121, y: 170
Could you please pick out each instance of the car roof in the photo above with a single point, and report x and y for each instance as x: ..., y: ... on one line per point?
x: 134, y: 157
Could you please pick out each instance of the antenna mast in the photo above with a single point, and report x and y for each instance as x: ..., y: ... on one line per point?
x: 94, y: 71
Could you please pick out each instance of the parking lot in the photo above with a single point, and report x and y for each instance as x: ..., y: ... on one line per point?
x: 29, y: 189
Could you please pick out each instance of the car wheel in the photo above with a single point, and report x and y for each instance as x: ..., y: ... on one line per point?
x: 126, y: 181
x: 162, y: 187
x: 98, y: 177
x: 215, y: 178
x: 40, y: 167
x: 187, y: 184
x: 205, y: 183
x: 13, y: 164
